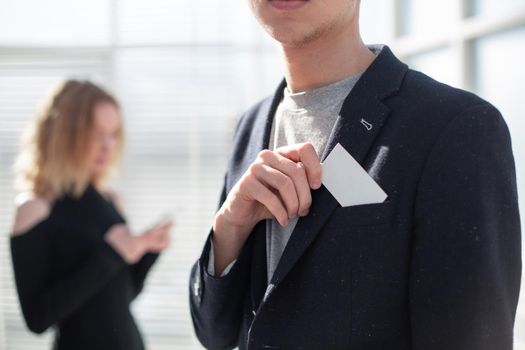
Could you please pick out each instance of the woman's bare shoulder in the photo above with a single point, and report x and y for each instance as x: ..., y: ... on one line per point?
x: 30, y: 210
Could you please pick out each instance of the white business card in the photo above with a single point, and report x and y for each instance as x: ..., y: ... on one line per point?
x: 348, y: 182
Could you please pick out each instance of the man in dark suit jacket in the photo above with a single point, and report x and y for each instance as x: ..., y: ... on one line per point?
x: 435, y: 266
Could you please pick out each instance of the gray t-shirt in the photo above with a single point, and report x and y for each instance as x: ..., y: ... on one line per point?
x: 303, y: 117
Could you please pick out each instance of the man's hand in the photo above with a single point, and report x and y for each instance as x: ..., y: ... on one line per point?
x: 277, y: 185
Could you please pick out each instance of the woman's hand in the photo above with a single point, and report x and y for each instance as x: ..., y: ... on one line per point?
x: 131, y: 248
x: 157, y: 238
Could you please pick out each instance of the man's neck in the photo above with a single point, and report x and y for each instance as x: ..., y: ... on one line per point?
x: 325, y: 60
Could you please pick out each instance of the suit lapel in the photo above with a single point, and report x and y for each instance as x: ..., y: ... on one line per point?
x: 263, y: 122
x: 362, y: 116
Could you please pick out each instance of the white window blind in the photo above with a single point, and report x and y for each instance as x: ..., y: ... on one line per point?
x: 23, y: 80
x: 183, y: 71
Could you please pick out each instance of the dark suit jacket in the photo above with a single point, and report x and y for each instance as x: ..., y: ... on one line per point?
x: 436, y: 266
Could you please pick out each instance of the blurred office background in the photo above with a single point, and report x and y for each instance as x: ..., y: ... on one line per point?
x: 184, y: 71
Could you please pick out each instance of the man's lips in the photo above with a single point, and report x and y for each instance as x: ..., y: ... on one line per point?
x: 288, y: 4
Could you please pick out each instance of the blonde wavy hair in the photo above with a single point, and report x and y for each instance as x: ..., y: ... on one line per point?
x: 53, y: 158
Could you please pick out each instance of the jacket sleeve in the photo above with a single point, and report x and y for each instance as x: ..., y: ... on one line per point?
x: 466, y: 254
x: 44, y: 302
x: 217, y: 302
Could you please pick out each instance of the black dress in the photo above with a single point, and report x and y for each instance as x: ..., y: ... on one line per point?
x: 68, y: 277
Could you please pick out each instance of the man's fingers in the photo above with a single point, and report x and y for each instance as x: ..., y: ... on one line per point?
x: 305, y: 196
x: 280, y: 182
x: 305, y: 153
x: 270, y: 200
x: 297, y: 172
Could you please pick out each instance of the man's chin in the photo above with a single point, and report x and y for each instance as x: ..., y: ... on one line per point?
x: 292, y: 38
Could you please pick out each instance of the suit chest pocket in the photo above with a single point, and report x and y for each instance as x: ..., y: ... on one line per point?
x: 363, y: 234
x: 363, y: 215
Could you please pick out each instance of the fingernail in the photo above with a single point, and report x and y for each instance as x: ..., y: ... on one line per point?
x: 317, y: 183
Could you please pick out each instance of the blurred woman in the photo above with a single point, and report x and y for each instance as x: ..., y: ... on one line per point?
x: 77, y: 265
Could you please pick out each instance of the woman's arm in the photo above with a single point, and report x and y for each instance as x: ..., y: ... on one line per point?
x: 158, y: 240
x: 43, y: 303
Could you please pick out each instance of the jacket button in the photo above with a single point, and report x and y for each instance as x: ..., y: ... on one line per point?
x: 196, y: 287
